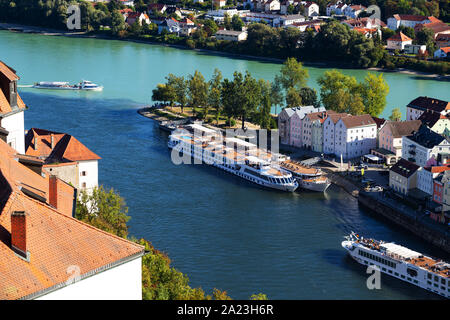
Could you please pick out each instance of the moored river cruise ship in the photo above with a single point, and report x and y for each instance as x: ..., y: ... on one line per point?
x: 232, y: 155
x: 400, y: 262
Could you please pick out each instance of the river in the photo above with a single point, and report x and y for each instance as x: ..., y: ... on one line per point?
x: 219, y: 230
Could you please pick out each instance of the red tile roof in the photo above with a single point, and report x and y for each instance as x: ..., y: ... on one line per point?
x: 10, y: 74
x: 358, y: 121
x: 400, y: 36
x: 66, y: 148
x: 409, y: 17
x: 55, y: 242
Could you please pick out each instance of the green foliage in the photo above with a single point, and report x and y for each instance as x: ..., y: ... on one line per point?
x: 343, y: 93
x: 259, y: 296
x: 197, y: 90
x: 104, y: 209
x: 396, y: 115
x: 293, y: 74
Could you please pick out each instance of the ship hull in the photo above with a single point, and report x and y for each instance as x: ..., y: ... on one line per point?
x: 313, y: 186
x: 400, y: 270
x: 239, y: 173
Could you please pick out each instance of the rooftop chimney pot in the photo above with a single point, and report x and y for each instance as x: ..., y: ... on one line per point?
x: 19, y: 233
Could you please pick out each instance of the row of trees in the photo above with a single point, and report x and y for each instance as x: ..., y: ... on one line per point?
x: 242, y: 97
x: 107, y: 210
x: 246, y: 98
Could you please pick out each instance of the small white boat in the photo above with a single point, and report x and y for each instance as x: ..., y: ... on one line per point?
x: 57, y: 85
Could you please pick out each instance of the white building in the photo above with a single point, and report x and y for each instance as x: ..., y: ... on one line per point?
x: 426, y: 175
x: 398, y: 41
x: 354, y: 11
x: 441, y: 53
x: 336, y: 8
x: 65, y: 157
x: 272, y: 5
x: 49, y: 255
x: 311, y: 8
x: 329, y: 130
x: 406, y: 20
x: 231, y: 35
x: 11, y: 109
x: 424, y: 147
x: 421, y: 104
x: 355, y: 136
x: 287, y: 20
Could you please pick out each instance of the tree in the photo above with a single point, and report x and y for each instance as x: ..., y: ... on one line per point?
x: 293, y: 74
x: 338, y: 92
x: 163, y: 93
x: 198, y: 91
x: 237, y: 23
x: 293, y: 98
x: 408, y: 31
x: 179, y: 86
x: 277, y: 93
x: 374, y: 91
x: 117, y: 22
x: 227, y: 22
x: 426, y: 36
x: 309, y: 97
x: 263, y: 115
x: 396, y: 115
x: 249, y: 97
x: 210, y: 27
x: 104, y: 209
x: 214, y: 93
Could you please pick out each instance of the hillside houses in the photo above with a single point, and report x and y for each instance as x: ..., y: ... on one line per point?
x: 398, y: 41
x: 406, y: 20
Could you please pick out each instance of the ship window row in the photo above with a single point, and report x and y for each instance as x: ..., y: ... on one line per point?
x: 436, y: 279
x: 377, y: 258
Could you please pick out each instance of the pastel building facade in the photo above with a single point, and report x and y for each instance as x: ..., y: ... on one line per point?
x: 391, y: 133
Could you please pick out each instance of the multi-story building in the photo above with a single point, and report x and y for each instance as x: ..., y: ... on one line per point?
x: 426, y: 176
x: 64, y: 156
x: 390, y: 137
x: 47, y: 254
x: 421, y: 104
x: 290, y: 124
x: 435, y: 121
x: 329, y: 128
x: 11, y: 109
x: 403, y: 176
x: 424, y: 147
x: 354, y: 11
x: 312, y: 129
x: 231, y: 35
x: 336, y: 8
x: 311, y: 9
x: 406, y: 20
x: 354, y: 136
x: 398, y: 41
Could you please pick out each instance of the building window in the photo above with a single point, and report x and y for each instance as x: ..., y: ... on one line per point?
x: 83, y: 173
x: 83, y: 185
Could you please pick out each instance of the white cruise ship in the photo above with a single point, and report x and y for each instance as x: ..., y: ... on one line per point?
x: 232, y: 155
x: 400, y: 262
x: 83, y: 85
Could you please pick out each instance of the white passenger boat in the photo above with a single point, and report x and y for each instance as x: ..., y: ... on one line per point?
x: 83, y: 85
x: 232, y: 155
x: 400, y: 262
x: 308, y: 178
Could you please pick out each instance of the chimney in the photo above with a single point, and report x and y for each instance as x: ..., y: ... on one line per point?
x: 19, y: 233
x: 52, y: 139
x: 35, y: 143
x: 53, y: 191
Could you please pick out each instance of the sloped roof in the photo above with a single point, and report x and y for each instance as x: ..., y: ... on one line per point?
x: 400, y: 36
x: 424, y: 103
x: 426, y: 137
x: 445, y: 49
x: 435, y: 26
x: 55, y: 241
x: 409, y: 17
x: 405, y: 168
x: 8, y: 72
x: 358, y: 121
x: 430, y: 118
x: 66, y: 148
x: 403, y: 128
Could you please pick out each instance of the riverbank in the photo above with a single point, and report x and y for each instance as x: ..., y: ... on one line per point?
x: 325, y: 64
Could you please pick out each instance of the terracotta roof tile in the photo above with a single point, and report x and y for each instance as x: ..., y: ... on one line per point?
x: 400, y: 36
x: 55, y: 241
x: 66, y: 148
x: 358, y: 121
x: 403, y: 128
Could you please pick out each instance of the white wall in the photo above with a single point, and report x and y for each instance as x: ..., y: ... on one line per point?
x: 91, y: 177
x: 123, y: 282
x: 15, y: 125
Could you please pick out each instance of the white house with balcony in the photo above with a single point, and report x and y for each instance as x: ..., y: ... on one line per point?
x: 425, y: 147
